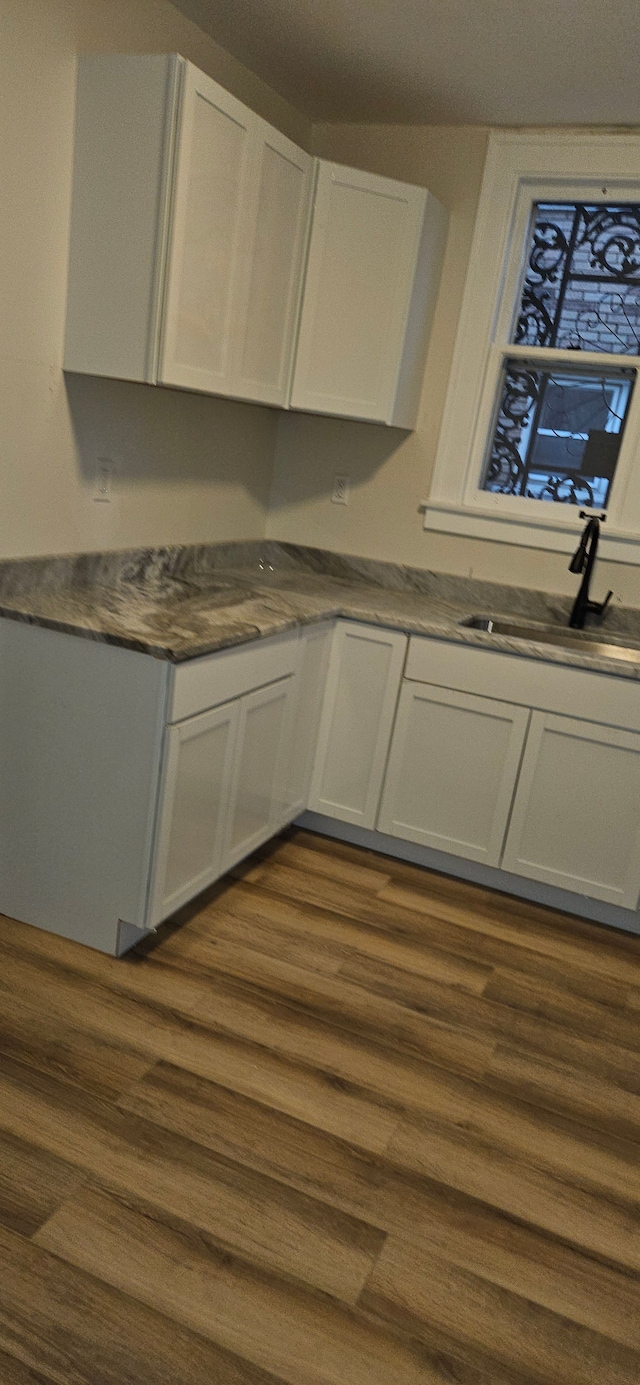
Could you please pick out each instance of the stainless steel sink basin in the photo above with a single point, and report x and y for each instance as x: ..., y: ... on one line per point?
x: 584, y: 641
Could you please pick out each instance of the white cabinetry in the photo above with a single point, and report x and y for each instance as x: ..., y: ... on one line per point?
x: 189, y: 226
x: 363, y: 682
x: 191, y: 836
x: 372, y: 278
x: 575, y: 820
x: 452, y: 771
x: 311, y: 676
x: 259, y: 791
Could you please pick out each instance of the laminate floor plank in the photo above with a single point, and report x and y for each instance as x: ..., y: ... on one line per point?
x: 253, y: 1134
x: 14, y: 1372
x: 428, y: 1292
x: 243, y: 913
x: 472, y: 1235
x: 304, y: 1339
x: 43, y: 1041
x: 555, y: 1086
x: 73, y: 1328
x: 606, y: 1226
x: 412, y: 918
x: 342, y: 1121
x: 33, y: 1183
x: 513, y: 924
x: 336, y: 1000
x: 497, y: 1015
x: 524, y: 1258
x: 268, y: 1221
x: 197, y: 945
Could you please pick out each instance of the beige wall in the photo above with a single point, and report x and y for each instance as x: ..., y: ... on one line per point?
x: 391, y: 471
x: 189, y: 468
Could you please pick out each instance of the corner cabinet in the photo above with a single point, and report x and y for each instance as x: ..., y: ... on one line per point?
x: 372, y: 277
x: 189, y: 227
x: 209, y: 253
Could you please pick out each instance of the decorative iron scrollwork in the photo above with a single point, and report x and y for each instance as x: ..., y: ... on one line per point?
x: 578, y: 253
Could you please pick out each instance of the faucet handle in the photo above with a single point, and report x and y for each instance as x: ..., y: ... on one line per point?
x: 599, y: 607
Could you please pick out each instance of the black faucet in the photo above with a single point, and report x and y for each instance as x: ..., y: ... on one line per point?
x: 583, y: 561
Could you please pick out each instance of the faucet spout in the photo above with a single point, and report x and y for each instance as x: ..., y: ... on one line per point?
x: 583, y: 561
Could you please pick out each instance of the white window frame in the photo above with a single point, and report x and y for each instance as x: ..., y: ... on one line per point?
x: 522, y: 169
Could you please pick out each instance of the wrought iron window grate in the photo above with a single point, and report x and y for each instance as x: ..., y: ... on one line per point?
x: 558, y: 428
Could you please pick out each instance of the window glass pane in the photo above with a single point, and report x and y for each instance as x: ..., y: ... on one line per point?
x: 558, y: 433
x: 581, y: 286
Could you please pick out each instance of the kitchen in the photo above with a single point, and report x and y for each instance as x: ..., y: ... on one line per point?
x: 504, y: 723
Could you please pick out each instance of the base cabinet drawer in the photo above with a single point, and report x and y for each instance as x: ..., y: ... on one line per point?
x: 576, y: 816
x: 452, y: 771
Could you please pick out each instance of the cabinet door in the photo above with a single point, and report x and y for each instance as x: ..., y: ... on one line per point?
x: 452, y: 771
x: 362, y: 257
x: 363, y: 681
x: 258, y: 793
x: 268, y: 299
x: 311, y: 674
x: 576, y: 818
x: 209, y: 235
x: 199, y: 758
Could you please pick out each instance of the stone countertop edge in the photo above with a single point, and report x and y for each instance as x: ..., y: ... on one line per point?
x: 307, y: 586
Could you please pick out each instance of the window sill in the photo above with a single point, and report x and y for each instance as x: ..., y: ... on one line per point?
x: 443, y: 517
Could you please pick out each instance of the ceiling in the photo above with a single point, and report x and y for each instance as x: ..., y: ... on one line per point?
x: 493, y: 62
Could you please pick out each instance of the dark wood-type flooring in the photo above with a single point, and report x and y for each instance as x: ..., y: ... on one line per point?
x: 345, y: 1122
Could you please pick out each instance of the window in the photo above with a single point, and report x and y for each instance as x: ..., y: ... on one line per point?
x: 543, y: 416
x: 558, y: 433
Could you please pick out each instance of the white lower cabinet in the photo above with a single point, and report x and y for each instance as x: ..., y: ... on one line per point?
x: 363, y: 681
x: 311, y: 674
x: 198, y: 766
x: 452, y: 771
x: 576, y: 819
x: 259, y: 789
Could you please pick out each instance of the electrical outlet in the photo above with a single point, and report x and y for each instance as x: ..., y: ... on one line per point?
x: 340, y: 492
x: 103, y: 483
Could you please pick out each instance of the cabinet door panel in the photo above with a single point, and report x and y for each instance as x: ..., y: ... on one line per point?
x: 362, y: 257
x: 209, y: 235
x: 311, y: 674
x: 452, y: 771
x: 363, y: 681
x: 198, y: 768
x: 258, y: 795
x: 269, y: 294
x: 576, y: 818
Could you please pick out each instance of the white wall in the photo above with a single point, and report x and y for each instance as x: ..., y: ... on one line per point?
x: 190, y: 468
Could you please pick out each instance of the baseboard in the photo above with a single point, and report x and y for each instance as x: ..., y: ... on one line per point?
x: 592, y: 909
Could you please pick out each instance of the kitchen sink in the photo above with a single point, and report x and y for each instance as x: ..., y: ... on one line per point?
x: 585, y: 641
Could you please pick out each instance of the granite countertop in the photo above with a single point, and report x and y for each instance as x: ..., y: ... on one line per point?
x: 181, y: 603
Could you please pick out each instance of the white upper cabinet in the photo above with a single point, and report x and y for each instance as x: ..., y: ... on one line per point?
x: 189, y: 228
x: 372, y: 277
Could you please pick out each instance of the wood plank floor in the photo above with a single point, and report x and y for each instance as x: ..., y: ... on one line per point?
x: 342, y: 1122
